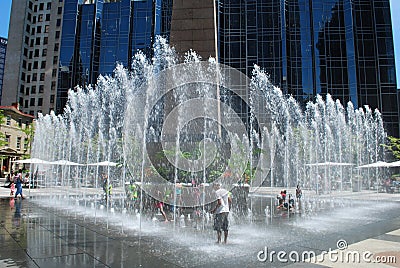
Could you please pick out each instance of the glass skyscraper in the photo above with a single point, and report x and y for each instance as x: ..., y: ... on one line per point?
x: 3, y: 50
x: 309, y: 47
x: 96, y: 34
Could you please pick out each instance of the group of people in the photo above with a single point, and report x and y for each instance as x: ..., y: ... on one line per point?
x: 221, y: 209
x: 288, y: 203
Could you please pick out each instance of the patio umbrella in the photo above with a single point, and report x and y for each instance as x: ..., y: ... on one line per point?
x: 331, y: 164
x: 31, y: 161
x: 104, y: 164
x: 63, y: 162
x: 376, y: 165
x: 394, y: 164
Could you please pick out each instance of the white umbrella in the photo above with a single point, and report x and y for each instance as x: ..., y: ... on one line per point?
x: 104, y: 164
x: 376, y: 165
x: 329, y: 164
x: 31, y: 161
x: 63, y: 162
x: 394, y: 164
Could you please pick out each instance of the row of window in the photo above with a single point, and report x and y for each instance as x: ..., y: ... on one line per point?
x: 8, y: 121
x: 18, y: 144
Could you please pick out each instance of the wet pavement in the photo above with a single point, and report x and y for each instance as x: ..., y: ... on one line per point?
x: 37, y: 235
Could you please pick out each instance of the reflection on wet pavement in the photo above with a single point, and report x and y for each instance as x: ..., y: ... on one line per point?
x: 36, y: 236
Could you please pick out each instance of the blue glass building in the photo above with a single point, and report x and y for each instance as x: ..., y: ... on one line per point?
x: 96, y: 34
x: 309, y: 47
x: 3, y: 50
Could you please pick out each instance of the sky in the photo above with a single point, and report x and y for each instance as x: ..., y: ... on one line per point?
x: 5, y: 8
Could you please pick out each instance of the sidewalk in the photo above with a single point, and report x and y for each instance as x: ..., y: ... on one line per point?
x: 36, y: 236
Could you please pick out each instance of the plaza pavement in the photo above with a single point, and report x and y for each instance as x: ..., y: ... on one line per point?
x: 35, y: 236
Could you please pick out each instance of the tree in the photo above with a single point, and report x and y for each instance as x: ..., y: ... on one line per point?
x: 3, y: 141
x: 29, y: 133
x: 393, y: 146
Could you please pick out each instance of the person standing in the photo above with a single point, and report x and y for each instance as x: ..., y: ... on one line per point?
x: 221, y: 212
x: 298, y: 193
x: 18, y: 184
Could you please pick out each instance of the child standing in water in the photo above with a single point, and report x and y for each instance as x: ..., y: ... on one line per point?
x: 12, y: 188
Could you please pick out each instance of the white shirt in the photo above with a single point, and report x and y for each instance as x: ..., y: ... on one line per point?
x: 222, y: 195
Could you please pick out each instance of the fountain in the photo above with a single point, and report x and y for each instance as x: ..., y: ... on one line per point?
x: 169, y: 130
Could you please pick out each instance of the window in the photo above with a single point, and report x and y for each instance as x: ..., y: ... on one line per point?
x: 41, y: 6
x: 53, y: 85
x: 8, y: 139
x: 39, y: 29
x: 46, y: 28
x: 20, y: 122
x: 34, y: 20
x: 45, y: 40
x: 34, y: 77
x: 33, y: 90
x: 21, y: 101
x: 8, y: 120
x: 58, y: 23
x: 52, y: 98
x: 44, y: 52
x: 47, y: 17
x: 40, y: 18
x: 36, y: 52
x: 30, y: 5
x: 57, y: 34
x: 28, y: 77
x: 35, y: 64
x: 26, y: 104
x: 35, y: 8
x: 24, y: 64
x: 18, y: 143
x: 56, y: 46
x: 32, y: 42
x: 30, y: 54
x: 28, y: 28
x: 59, y: 11
x: 41, y: 88
x: 26, y: 40
x: 22, y: 89
x: 43, y: 64
x: 30, y: 66
x: 40, y: 102
x: 32, y: 103
x: 48, y: 6
x: 23, y: 76
x: 37, y: 40
x: 54, y: 73
x: 41, y: 76
x: 29, y: 17
x: 25, y: 52
x: 27, y: 91
x: 55, y: 60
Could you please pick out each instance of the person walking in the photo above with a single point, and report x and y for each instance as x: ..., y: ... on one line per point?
x: 221, y: 212
x: 18, y: 183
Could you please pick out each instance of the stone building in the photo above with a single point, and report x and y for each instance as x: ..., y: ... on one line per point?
x: 17, y: 141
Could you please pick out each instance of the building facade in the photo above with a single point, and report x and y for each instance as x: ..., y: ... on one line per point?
x: 55, y: 45
x: 308, y: 47
x: 33, y: 53
x: 17, y: 139
x: 3, y: 50
x: 98, y: 34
